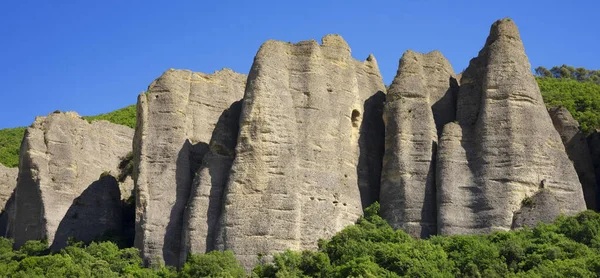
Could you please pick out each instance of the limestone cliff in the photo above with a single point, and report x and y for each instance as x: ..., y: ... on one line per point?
x: 175, y: 122
x: 578, y: 151
x: 420, y: 101
x: 504, y: 148
x: 308, y: 151
x: 59, y: 194
x: 8, y: 181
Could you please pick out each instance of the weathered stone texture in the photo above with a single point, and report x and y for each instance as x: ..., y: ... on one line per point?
x: 420, y: 101
x: 578, y: 151
x: 505, y: 148
x: 62, y: 156
x: 8, y: 181
x: 176, y: 118
x: 203, y: 211
x: 302, y: 160
x: 541, y: 207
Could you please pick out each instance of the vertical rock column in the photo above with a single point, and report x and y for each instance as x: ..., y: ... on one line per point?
x: 302, y: 162
x: 578, y: 151
x: 420, y: 99
x: 504, y: 148
x: 176, y: 118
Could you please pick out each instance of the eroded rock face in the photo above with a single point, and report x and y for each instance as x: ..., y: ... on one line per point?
x: 176, y: 118
x: 420, y: 101
x: 504, y: 147
x: 8, y: 181
x: 541, y: 207
x: 578, y: 151
x: 62, y: 158
x: 203, y: 211
x: 309, y: 148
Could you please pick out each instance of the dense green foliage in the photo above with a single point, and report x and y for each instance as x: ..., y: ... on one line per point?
x: 124, y: 116
x: 105, y: 259
x: 10, y: 138
x: 10, y: 142
x: 569, y: 72
x: 582, y: 99
x: 371, y: 248
x: 568, y: 248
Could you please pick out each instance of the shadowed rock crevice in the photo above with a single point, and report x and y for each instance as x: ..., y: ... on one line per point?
x: 371, y: 143
x: 8, y: 182
x: 96, y: 212
x: 203, y: 210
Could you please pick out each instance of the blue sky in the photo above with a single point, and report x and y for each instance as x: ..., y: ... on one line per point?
x: 97, y: 56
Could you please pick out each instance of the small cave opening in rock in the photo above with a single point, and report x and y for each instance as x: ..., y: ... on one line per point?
x: 355, y: 118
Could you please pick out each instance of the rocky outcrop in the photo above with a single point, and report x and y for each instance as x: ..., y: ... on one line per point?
x: 203, y: 211
x: 175, y: 122
x: 309, y: 148
x: 58, y: 194
x: 8, y: 181
x: 420, y: 101
x: 541, y: 207
x: 504, y: 148
x: 578, y: 151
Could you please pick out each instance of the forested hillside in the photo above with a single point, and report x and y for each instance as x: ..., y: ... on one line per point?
x: 578, y: 90
x: 371, y: 248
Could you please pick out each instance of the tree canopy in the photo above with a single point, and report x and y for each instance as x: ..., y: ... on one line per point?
x: 570, y: 247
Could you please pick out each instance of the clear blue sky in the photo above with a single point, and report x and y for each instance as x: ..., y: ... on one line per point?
x: 97, y: 56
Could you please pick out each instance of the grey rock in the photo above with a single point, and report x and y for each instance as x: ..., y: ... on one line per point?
x: 203, y: 211
x: 175, y: 122
x: 309, y: 148
x: 578, y: 151
x: 593, y: 141
x: 8, y: 181
x: 420, y: 101
x: 62, y: 157
x: 504, y: 147
x: 541, y: 207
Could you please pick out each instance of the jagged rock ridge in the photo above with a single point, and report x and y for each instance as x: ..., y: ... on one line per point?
x: 59, y: 193
x: 308, y: 149
x: 175, y: 122
x: 504, y: 147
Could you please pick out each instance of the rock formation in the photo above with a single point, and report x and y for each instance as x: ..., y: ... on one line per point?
x: 419, y: 102
x: 309, y: 148
x: 175, y: 122
x: 578, y: 151
x: 504, y: 148
x: 8, y: 181
x: 58, y: 194
x: 203, y: 211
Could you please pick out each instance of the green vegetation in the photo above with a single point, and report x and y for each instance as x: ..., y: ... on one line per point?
x: 570, y: 247
x: 10, y: 143
x: 124, y: 116
x: 568, y: 72
x: 582, y: 99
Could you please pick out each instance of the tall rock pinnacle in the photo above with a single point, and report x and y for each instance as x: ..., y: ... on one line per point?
x: 504, y: 148
x: 420, y: 101
x: 176, y: 118
x: 309, y: 148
